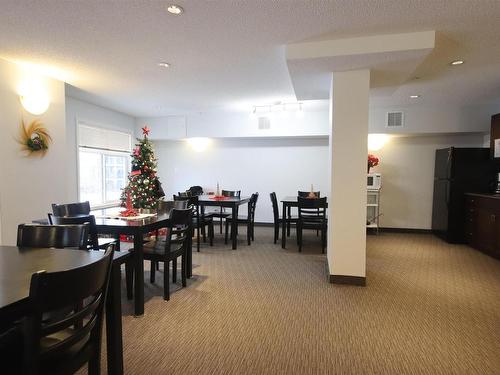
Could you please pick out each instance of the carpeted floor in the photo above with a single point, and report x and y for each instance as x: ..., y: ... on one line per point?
x: 428, y: 308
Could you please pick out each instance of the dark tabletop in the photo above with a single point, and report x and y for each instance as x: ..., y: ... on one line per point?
x: 18, y: 264
x: 208, y: 200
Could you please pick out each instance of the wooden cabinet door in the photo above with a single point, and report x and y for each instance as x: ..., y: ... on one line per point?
x: 486, y: 230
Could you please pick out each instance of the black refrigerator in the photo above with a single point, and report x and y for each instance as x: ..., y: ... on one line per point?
x: 458, y: 171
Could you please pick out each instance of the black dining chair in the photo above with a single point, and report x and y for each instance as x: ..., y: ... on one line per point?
x: 306, y: 194
x: 221, y: 214
x: 96, y: 243
x: 200, y: 220
x: 56, y: 236
x: 71, y: 209
x: 175, y: 245
x: 276, y: 216
x: 184, y: 194
x: 64, y: 344
x: 195, y: 190
x: 248, y: 220
x: 312, y: 215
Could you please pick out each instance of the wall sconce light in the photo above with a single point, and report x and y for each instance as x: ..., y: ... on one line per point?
x: 199, y: 144
x: 377, y: 141
x: 34, y: 99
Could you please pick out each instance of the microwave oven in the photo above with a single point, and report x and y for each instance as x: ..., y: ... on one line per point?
x: 374, y: 181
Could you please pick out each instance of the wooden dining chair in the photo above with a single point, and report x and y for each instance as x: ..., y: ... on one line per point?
x: 221, y: 214
x: 176, y: 245
x: 71, y: 209
x: 248, y: 220
x: 276, y: 216
x: 96, y: 243
x: 196, y: 190
x: 305, y: 194
x: 64, y: 344
x: 200, y: 220
x: 56, y: 236
x: 312, y: 215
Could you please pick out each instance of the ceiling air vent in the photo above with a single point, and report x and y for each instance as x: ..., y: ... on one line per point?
x: 394, y: 119
x: 264, y: 123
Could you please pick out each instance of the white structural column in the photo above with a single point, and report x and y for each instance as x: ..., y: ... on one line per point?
x: 348, y: 154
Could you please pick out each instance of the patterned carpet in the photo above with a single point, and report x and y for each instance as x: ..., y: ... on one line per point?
x: 428, y: 308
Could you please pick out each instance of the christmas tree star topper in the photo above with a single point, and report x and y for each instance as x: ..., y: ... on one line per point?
x: 145, y: 130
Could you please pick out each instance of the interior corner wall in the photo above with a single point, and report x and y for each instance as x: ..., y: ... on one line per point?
x: 29, y: 184
x: 79, y: 110
x: 407, y: 168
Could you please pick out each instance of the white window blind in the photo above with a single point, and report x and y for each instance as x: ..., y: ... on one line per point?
x: 104, y: 139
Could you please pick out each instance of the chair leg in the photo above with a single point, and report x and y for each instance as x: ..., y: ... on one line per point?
x: 249, y: 233
x: 157, y: 266
x: 253, y: 231
x: 198, y: 239
x: 276, y: 232
x: 129, y: 278
x: 211, y: 233
x: 183, y: 270
x: 203, y: 231
x: 152, y: 273
x: 299, y: 237
x: 166, y: 281
x: 174, y: 270
x: 323, y: 240
x: 220, y: 220
x: 226, y: 232
x: 94, y: 366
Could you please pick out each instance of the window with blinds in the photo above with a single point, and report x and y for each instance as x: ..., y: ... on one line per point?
x: 103, y: 164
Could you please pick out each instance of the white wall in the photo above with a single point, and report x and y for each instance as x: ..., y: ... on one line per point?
x: 249, y: 165
x: 78, y: 110
x: 287, y: 165
x: 407, y: 167
x: 28, y: 185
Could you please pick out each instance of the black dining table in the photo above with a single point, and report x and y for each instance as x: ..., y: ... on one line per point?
x: 288, y: 202
x: 107, y: 223
x: 17, y: 265
x: 230, y: 202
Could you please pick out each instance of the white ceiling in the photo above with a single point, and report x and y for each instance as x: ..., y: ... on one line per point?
x: 231, y: 53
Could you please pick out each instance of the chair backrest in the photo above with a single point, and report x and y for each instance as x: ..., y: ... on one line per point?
x: 191, y: 203
x: 71, y: 209
x: 184, y: 194
x: 196, y: 190
x: 82, y: 219
x: 231, y: 193
x: 81, y: 292
x: 274, y: 202
x: 252, y: 204
x: 58, y: 236
x: 180, y: 228
x: 312, y: 208
x: 305, y: 194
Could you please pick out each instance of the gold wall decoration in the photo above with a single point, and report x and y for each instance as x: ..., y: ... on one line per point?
x: 35, y: 138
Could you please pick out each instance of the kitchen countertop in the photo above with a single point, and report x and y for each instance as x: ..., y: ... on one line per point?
x: 484, y: 195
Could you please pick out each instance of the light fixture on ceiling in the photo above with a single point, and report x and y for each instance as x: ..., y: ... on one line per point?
x: 457, y: 62
x: 175, y: 9
x: 414, y: 96
x: 277, y: 107
x: 164, y: 64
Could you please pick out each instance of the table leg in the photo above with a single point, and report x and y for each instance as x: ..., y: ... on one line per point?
x: 138, y: 274
x: 114, y: 323
x: 189, y: 257
x: 283, y: 227
x: 234, y: 226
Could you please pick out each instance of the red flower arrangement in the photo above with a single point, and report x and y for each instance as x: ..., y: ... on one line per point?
x: 372, y: 161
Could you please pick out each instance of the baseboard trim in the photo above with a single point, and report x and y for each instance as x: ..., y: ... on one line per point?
x: 406, y: 230
x: 262, y: 224
x: 349, y: 280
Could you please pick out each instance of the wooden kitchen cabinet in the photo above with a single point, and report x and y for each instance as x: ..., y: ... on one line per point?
x: 483, y: 223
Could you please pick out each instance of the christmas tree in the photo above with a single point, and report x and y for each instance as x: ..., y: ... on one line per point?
x: 143, y: 188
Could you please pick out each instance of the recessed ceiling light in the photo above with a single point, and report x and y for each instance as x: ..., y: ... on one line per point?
x: 457, y: 62
x: 414, y: 96
x: 164, y: 64
x: 175, y: 9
